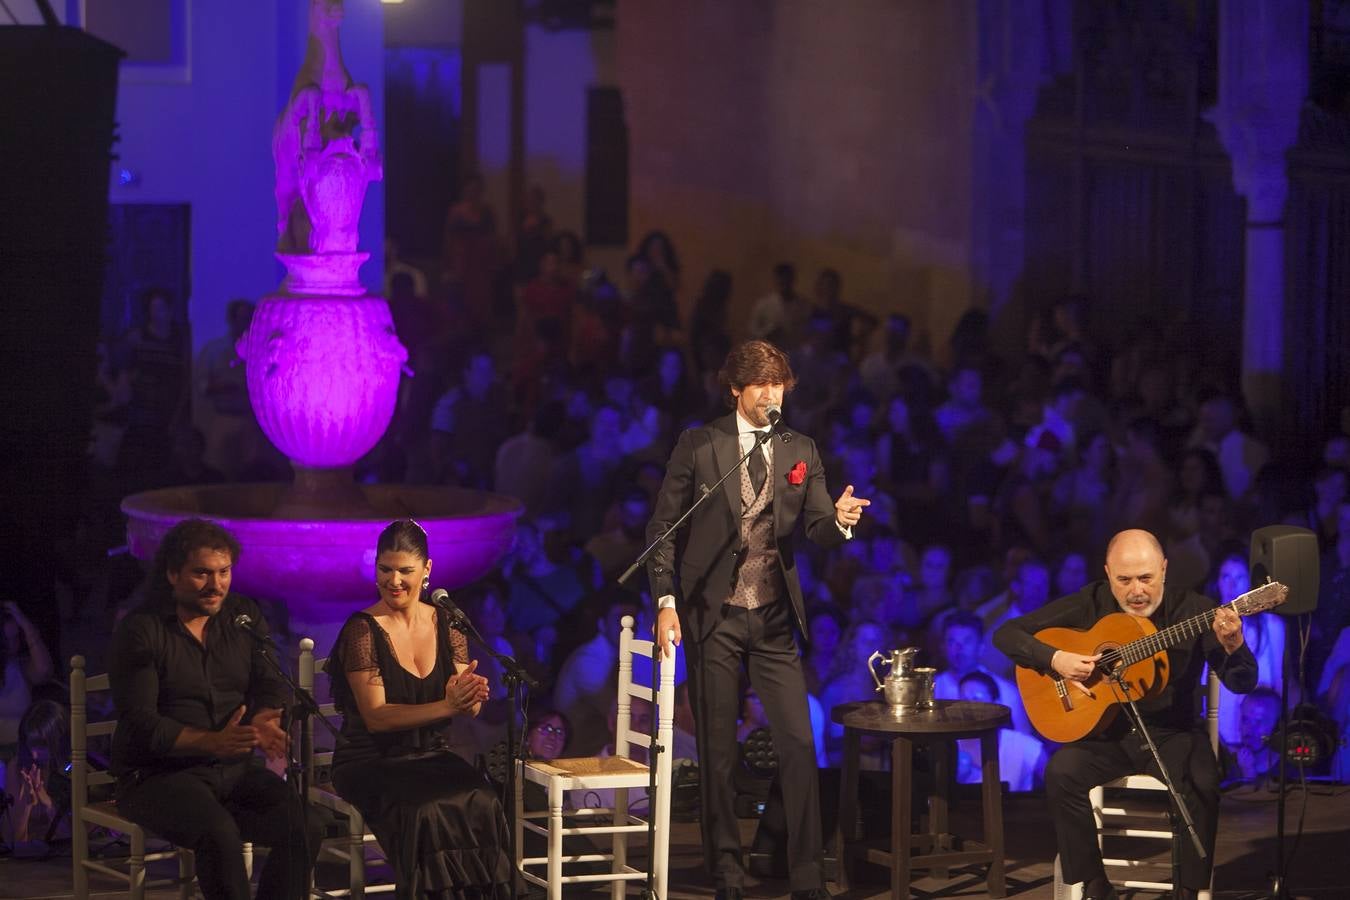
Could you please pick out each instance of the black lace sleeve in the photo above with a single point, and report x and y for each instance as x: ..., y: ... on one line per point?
x: 459, y: 644
x: 356, y: 645
x: 354, y: 652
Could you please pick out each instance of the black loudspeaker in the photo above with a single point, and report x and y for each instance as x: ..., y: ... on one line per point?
x: 1287, y: 554
x: 768, y: 851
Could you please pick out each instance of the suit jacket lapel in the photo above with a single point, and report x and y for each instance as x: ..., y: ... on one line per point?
x: 781, y: 465
x: 727, y: 451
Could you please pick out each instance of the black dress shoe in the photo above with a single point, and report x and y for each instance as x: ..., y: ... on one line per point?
x: 814, y: 894
x: 1106, y: 892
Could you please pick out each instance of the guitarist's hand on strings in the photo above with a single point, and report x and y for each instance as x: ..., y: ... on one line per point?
x: 1075, y: 668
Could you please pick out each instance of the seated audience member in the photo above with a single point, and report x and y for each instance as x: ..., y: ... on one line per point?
x: 1254, y: 756
x: 1329, y: 643
x: 962, y: 641
x: 469, y: 423
x: 585, y: 687
x: 614, y: 550
x: 25, y: 663
x: 546, y: 733
x: 1021, y: 758
x: 36, y: 778
x: 850, y: 680
x: 1337, y: 705
x: 933, y: 582
x: 399, y: 671
x: 523, y: 461
x: 1329, y: 492
x: 194, y: 700
x: 1144, y: 483
x: 825, y: 625
x: 1071, y: 573
x: 1240, y: 455
x: 1029, y: 591
x: 542, y: 596
x: 486, y: 610
x: 584, y: 481
x: 1265, y: 636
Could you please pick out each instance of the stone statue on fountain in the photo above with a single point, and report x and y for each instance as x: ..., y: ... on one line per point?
x: 326, y: 148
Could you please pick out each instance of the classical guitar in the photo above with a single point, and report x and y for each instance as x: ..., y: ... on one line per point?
x: 1132, y: 648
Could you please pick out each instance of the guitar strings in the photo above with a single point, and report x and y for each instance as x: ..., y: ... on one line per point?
x: 1152, y: 644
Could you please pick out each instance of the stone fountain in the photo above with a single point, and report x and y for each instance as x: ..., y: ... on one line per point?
x: 323, y: 366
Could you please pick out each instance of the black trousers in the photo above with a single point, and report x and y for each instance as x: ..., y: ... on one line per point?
x: 212, y: 809
x: 1077, y: 768
x: 763, y: 641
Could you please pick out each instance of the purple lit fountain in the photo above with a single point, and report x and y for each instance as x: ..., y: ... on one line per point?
x: 323, y: 366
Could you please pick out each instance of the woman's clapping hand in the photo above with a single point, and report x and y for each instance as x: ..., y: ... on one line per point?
x: 466, y: 689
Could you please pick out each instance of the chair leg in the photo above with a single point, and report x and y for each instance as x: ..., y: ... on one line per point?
x: 136, y: 866
x: 555, y: 842
x: 187, y: 871
x: 619, y: 843
x: 79, y: 852
x: 356, y: 859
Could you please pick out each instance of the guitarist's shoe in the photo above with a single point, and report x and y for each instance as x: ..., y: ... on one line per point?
x: 1099, y: 889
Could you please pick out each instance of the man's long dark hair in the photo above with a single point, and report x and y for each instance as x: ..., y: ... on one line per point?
x: 177, y: 547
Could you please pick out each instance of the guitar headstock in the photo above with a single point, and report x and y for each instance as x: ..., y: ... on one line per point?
x: 1267, y: 596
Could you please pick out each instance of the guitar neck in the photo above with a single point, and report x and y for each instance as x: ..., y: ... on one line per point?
x: 1152, y: 644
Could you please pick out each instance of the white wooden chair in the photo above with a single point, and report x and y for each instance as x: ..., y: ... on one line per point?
x: 1116, y: 818
x: 103, y: 814
x: 359, y: 841
x: 619, y: 773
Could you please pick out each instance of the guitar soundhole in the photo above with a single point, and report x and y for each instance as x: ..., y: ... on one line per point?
x: 1108, y: 664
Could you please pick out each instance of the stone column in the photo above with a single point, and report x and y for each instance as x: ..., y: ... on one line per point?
x: 1263, y: 81
x: 1019, y: 46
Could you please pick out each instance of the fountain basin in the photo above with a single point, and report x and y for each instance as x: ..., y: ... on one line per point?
x: 324, y: 569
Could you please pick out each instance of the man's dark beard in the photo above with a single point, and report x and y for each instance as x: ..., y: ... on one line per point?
x: 196, y: 605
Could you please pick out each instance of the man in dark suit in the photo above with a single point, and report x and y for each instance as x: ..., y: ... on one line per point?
x: 729, y: 581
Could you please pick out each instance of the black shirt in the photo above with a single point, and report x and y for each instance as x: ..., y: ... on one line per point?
x: 164, y: 679
x: 1174, y: 707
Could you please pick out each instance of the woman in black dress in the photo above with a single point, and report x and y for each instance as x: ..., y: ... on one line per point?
x: 399, y: 673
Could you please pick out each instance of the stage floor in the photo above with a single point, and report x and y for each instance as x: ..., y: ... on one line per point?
x: 1245, y: 855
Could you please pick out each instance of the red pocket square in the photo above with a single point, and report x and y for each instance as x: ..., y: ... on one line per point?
x: 798, y: 473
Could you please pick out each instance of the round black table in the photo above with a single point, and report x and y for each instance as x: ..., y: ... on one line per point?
x: 936, y: 850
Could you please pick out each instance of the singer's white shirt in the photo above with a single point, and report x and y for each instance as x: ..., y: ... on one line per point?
x: 748, y: 433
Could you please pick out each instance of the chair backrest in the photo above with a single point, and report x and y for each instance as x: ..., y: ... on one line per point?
x: 82, y: 777
x: 625, y: 737
x: 308, y: 667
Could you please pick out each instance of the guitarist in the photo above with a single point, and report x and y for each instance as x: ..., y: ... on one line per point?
x: 1135, y: 583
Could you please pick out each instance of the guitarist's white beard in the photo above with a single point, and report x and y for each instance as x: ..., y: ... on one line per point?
x: 1148, y: 610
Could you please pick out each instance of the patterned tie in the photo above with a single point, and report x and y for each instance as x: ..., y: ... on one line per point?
x: 759, y: 470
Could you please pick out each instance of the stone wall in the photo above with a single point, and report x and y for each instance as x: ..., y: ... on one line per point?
x: 826, y: 134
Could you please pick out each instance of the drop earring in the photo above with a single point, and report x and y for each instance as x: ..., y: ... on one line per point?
x: 426, y: 584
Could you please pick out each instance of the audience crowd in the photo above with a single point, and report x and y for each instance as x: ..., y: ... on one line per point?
x: 995, y: 480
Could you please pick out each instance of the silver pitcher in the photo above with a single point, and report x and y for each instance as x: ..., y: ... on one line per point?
x: 905, y: 687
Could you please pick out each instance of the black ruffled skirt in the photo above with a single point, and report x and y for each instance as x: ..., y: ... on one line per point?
x: 438, y: 821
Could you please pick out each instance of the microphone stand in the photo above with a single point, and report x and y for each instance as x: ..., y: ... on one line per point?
x: 518, y: 682
x: 763, y: 437
x: 304, y: 709
x: 1117, y: 677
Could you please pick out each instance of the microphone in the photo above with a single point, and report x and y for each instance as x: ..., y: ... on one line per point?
x: 774, y: 412
x: 440, y: 598
x: 244, y: 621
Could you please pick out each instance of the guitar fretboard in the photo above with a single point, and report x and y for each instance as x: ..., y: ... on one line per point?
x: 1150, y: 645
